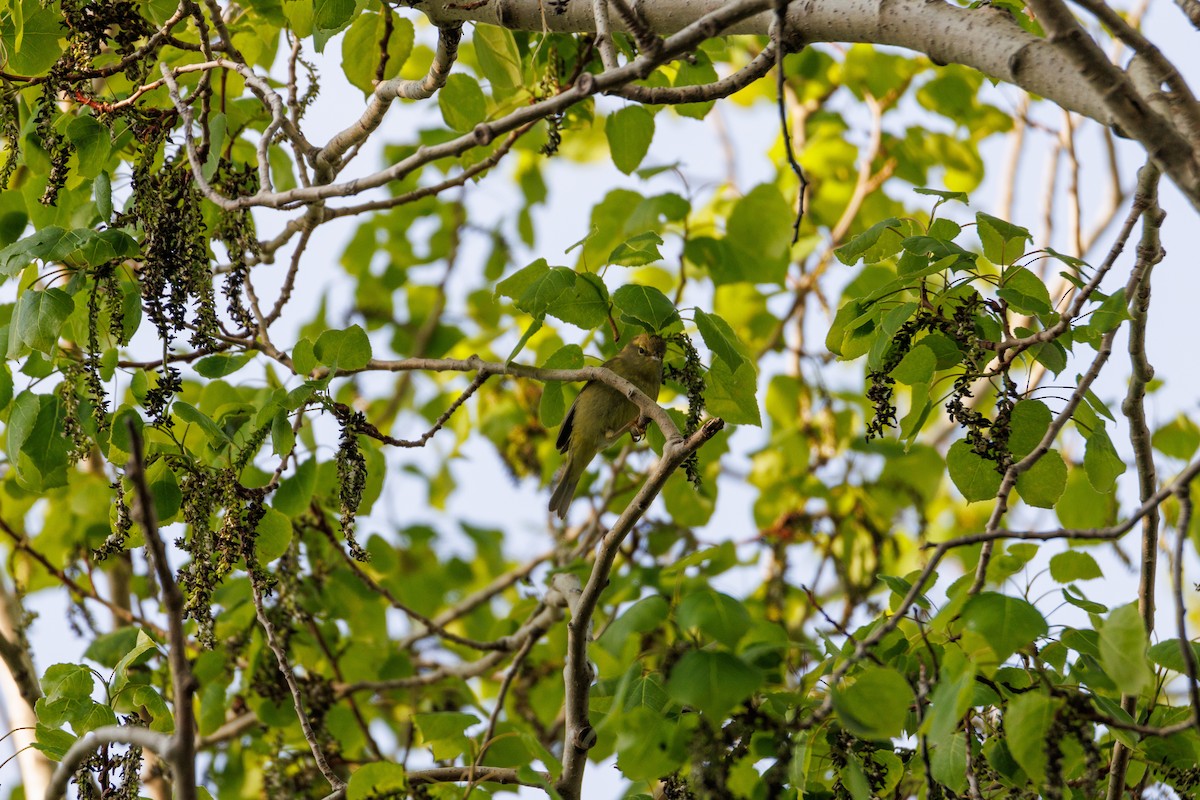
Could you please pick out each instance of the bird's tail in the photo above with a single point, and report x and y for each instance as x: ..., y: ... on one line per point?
x: 564, y: 491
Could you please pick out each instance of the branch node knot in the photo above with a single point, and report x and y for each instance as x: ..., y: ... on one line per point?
x: 585, y: 739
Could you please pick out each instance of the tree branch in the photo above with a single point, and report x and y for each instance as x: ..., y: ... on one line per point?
x: 183, y: 743
x: 160, y: 744
x: 579, y: 736
x: 1149, y: 253
x: 1073, y: 74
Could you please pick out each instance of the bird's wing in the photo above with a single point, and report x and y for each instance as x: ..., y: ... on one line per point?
x: 568, y: 423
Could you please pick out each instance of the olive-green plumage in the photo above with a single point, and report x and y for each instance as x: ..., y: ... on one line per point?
x: 601, y: 414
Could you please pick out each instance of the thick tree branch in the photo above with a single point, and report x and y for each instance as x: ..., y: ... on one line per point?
x: 1127, y: 109
x: 327, y: 160
x: 1070, y: 71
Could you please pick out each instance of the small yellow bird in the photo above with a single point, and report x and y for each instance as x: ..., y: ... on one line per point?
x: 600, y: 414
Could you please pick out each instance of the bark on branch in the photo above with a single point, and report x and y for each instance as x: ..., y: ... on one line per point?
x: 1069, y: 69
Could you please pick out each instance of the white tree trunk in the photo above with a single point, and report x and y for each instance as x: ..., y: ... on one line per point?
x: 18, y: 713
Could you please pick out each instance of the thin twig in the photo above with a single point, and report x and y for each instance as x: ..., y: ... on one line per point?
x: 310, y: 736
x: 777, y: 35
x: 25, y: 546
x: 504, y: 644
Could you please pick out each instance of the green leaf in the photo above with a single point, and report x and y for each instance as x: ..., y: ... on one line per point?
x: 916, y: 367
x: 696, y: 71
x: 889, y: 324
x: 1025, y: 292
x: 1074, y: 565
x: 873, y: 245
x: 142, y: 646
x: 188, y: 413
x: 51, y: 243
x: 1123, y: 645
x: 1077, y: 599
x: 713, y: 682
x: 36, y: 442
x: 947, y: 760
x: 1081, y: 506
x: 31, y: 36
x: 1101, y: 462
x: 53, y: 742
x: 1111, y: 313
x: 499, y: 58
x: 445, y: 732
x: 585, y: 304
x: 1003, y: 242
x: 719, y: 337
x: 1005, y: 623
x: 875, y: 704
x: 377, y: 779
x: 1051, y: 355
x: 295, y: 492
x: 1028, y: 423
x: 732, y: 395
x: 546, y: 286
x: 273, y: 537
x: 901, y: 587
x: 637, y: 250
x: 845, y: 322
x: 67, y: 681
x: 952, y: 696
x: 349, y: 349
x: 718, y: 615
x: 1043, y: 484
x: 975, y: 476
x: 960, y: 197
x: 644, y: 615
x: 303, y: 358
x: 759, y: 232
x: 533, y: 328
x: 164, y: 487
x: 91, y: 142
x: 647, y: 692
x: 629, y: 132
x: 462, y: 102
x: 944, y: 229
x: 516, y: 285
x: 108, y: 648
x: 360, y: 48
x: 1168, y: 654
x: 1026, y: 723
x: 329, y: 15
x: 218, y: 366
x: 1179, y: 438
x: 37, y: 320
x: 160, y: 716
x: 645, y: 306
x: 954, y: 256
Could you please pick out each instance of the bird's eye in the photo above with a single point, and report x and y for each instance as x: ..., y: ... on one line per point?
x: 641, y: 351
